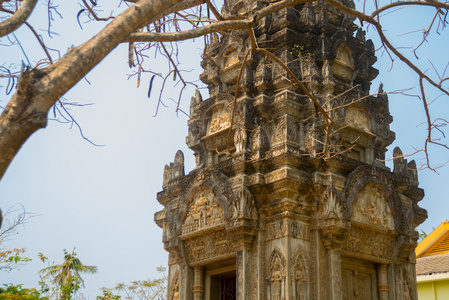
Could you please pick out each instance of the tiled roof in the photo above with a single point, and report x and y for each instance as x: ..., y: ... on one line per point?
x: 437, y: 263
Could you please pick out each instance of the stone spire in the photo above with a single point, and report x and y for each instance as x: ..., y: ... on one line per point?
x: 266, y: 214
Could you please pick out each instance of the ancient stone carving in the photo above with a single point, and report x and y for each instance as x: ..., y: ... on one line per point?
x: 343, y: 65
x: 300, y: 278
x: 166, y: 175
x: 357, y: 117
x: 244, y: 206
x: 279, y: 131
x: 194, y: 101
x: 204, y: 211
x: 175, y: 170
x: 292, y: 130
x: 311, y: 140
x: 174, y: 288
x: 276, y: 275
x: 230, y: 212
x: 230, y: 58
x: 400, y: 163
x: 412, y: 172
x: 331, y: 204
x: 220, y: 120
x: 210, y: 246
x: 178, y: 165
x: 371, y: 207
x: 240, y: 140
x: 372, y: 243
x: 280, y: 229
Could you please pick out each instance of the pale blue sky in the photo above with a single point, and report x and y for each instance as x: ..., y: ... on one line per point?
x: 101, y: 200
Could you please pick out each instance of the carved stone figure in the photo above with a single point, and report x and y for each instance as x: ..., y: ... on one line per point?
x: 220, y: 120
x: 300, y: 281
x: 240, y: 140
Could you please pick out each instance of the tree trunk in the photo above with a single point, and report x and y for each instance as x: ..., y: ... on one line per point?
x: 38, y: 90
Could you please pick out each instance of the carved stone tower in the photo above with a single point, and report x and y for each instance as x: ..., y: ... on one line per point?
x: 282, y: 206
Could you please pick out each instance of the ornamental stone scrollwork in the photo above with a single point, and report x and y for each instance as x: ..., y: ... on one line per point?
x: 204, y: 211
x: 276, y: 275
x: 209, y: 247
x: 331, y: 206
x: 276, y: 230
x: 281, y: 229
x: 370, y: 243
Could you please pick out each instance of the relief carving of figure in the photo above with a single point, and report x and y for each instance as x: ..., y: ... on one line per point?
x: 372, y: 208
x: 204, y: 211
x: 219, y: 121
x: 240, y: 140
x: 276, y: 282
x: 299, y: 276
x: 279, y: 131
x: 244, y: 206
x: 276, y: 275
x: 300, y: 280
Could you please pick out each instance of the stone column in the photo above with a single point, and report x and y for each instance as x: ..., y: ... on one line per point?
x: 198, y: 286
x: 243, y: 279
x: 334, y: 274
x: 185, y: 282
x: 242, y: 236
x: 333, y: 234
x: 382, y: 282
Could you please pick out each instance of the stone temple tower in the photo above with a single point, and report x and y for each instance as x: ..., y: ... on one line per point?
x: 281, y: 206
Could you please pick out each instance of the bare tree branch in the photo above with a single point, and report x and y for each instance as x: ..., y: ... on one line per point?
x: 19, y: 17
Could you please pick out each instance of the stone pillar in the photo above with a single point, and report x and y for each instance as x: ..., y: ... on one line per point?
x: 243, y: 279
x: 333, y: 256
x: 185, y: 282
x: 242, y: 236
x: 382, y: 282
x: 333, y: 235
x: 198, y: 286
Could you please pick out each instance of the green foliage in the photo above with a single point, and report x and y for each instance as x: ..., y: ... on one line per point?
x: 12, y: 220
x: 141, y: 289
x: 63, y: 281
x: 299, y: 52
x: 108, y: 295
x: 17, y: 292
x: 64, y: 273
x: 9, y: 259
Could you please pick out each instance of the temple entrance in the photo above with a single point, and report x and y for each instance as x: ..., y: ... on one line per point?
x: 228, y: 288
x: 358, y: 280
x: 220, y: 283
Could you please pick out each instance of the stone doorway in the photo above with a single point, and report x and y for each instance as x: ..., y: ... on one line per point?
x: 220, y: 284
x: 358, y: 279
x: 228, y: 288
